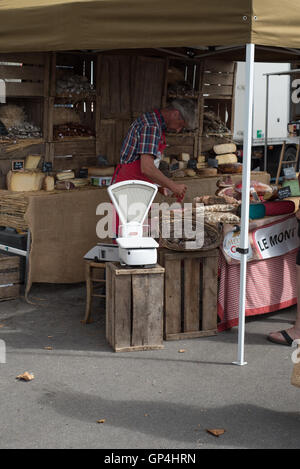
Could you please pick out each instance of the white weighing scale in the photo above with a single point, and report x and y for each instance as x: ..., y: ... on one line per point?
x: 132, y: 201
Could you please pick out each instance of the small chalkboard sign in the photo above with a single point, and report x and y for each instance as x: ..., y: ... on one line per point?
x: 47, y: 166
x: 17, y: 165
x: 284, y: 192
x: 84, y: 173
x: 289, y: 173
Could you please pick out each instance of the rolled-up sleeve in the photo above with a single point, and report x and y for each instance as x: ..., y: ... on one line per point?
x: 149, y: 137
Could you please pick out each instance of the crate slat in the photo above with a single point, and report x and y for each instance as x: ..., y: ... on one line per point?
x: 24, y: 72
x: 24, y: 89
x: 210, y: 293
x: 122, y: 314
x: 24, y: 58
x: 172, y: 296
x: 218, y: 78
x: 9, y: 274
x: 217, y: 66
x: 218, y: 90
x: 147, y: 310
x: 191, y: 294
x: 9, y: 293
x: 9, y: 277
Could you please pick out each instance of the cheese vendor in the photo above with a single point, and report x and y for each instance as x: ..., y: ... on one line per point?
x: 145, y: 142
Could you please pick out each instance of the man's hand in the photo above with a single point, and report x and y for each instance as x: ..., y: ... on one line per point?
x: 148, y: 168
x: 298, y: 214
x: 179, y: 190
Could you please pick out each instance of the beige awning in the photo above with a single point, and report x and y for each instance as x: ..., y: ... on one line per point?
x: 40, y: 25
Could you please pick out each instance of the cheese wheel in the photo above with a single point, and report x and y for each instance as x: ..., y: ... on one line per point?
x: 25, y: 181
x: 226, y: 159
x: 225, y: 148
x: 230, y: 168
x: 207, y: 172
x: 32, y: 161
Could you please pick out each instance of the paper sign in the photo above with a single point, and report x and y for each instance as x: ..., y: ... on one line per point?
x: 231, y: 243
x: 277, y: 239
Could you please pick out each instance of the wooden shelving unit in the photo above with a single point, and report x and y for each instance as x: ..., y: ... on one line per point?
x: 125, y: 86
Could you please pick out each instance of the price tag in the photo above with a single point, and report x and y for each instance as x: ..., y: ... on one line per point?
x: 289, y: 173
x: 47, y: 167
x: 284, y: 192
x: 17, y: 165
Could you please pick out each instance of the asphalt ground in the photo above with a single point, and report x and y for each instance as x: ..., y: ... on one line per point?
x: 163, y: 399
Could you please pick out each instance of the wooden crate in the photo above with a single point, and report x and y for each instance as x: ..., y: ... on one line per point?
x: 218, y: 78
x: 191, y: 288
x: 134, y: 308
x: 25, y: 74
x: 9, y: 277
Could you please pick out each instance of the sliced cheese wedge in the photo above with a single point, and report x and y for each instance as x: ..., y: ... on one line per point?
x: 65, y: 175
x: 32, y: 161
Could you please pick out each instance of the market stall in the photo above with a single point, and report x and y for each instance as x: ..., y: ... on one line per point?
x: 99, y: 26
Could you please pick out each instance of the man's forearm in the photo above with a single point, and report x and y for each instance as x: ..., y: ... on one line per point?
x: 156, y: 175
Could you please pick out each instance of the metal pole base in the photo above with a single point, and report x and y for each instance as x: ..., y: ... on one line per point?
x: 240, y: 363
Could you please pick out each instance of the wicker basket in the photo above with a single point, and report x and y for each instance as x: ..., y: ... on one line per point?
x: 212, y: 235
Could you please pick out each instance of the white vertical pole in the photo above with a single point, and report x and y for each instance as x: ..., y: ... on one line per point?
x: 250, y: 50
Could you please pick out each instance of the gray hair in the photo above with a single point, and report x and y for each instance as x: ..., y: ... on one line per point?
x: 187, y: 109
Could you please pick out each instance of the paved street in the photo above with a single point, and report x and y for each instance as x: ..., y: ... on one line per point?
x: 152, y: 399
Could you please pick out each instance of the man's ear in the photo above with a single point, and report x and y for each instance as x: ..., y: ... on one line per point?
x: 176, y: 114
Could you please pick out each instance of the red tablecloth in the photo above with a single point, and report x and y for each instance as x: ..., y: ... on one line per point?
x: 271, y: 285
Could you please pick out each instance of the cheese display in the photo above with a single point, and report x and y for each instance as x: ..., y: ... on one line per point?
x: 79, y: 182
x: 65, y: 175
x: 201, y: 159
x: 206, y: 172
x: 227, y: 159
x: 49, y: 183
x: 182, y: 164
x: 230, y: 168
x: 190, y: 172
x: 25, y: 181
x: 32, y: 161
x: 184, y: 157
x: 224, y: 148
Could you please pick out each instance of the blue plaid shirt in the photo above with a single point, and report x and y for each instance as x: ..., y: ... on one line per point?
x: 143, y: 137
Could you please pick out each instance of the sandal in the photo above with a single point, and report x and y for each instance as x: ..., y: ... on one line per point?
x: 287, y: 339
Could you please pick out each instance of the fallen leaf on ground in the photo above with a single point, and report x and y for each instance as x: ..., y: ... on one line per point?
x: 146, y: 415
x: 101, y: 421
x: 1, y: 325
x: 25, y: 376
x: 48, y: 348
x: 50, y: 336
x: 216, y: 432
x: 181, y: 350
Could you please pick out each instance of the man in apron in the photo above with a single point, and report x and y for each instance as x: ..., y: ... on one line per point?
x: 145, y: 142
